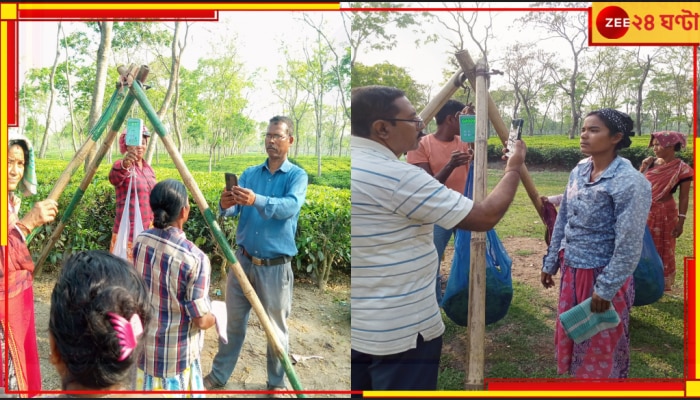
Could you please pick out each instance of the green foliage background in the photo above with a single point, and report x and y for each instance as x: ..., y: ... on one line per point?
x: 560, y: 151
x: 326, y: 213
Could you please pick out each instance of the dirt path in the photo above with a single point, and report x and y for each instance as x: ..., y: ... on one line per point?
x: 319, y: 335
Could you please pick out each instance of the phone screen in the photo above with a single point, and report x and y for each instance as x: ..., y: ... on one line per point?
x: 231, y: 180
x: 134, y: 129
x: 515, y: 135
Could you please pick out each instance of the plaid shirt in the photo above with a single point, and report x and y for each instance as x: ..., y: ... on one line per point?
x: 144, y: 180
x: 177, y: 275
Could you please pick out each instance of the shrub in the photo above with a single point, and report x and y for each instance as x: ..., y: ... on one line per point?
x: 561, y: 152
x: 324, y: 221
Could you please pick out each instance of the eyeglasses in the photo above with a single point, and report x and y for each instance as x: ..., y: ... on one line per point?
x: 418, y: 121
x: 275, y: 137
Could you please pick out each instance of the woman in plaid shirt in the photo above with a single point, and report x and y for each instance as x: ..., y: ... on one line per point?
x: 177, y: 277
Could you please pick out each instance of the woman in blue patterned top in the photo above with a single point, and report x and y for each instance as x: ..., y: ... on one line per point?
x: 597, y: 243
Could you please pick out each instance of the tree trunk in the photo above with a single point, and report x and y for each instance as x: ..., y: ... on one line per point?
x: 49, y: 113
x: 70, y: 94
x: 573, y: 130
x: 176, y: 126
x: 98, y: 92
x: 177, y: 49
x: 640, y: 96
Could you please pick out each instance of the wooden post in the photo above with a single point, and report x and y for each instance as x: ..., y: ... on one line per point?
x: 467, y: 65
x: 477, y: 260
x: 209, y: 217
x: 441, y: 98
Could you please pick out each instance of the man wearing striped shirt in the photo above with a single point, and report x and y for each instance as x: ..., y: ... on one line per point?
x: 396, y: 323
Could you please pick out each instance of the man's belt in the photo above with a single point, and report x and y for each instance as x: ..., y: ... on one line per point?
x: 266, y: 261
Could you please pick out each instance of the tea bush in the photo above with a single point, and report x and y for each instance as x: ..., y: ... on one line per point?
x: 561, y: 152
x: 324, y: 221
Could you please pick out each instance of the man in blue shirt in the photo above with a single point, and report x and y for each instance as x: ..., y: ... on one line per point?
x: 268, y: 199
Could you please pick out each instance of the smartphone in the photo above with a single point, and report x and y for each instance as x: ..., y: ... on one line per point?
x: 515, y: 134
x: 231, y: 180
x: 467, y: 128
x: 134, y: 130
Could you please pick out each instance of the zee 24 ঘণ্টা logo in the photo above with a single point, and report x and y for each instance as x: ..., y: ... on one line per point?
x: 613, y: 22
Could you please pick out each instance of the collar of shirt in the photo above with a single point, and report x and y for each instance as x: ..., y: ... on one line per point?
x: 369, y: 144
x: 285, y: 167
x: 175, y: 231
x: 586, y: 168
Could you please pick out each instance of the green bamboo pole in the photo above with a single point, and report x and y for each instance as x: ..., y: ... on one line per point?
x: 79, y: 157
x: 89, y: 175
x: 191, y: 184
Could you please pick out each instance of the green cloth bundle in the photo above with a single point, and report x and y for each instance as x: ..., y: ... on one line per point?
x: 580, y: 323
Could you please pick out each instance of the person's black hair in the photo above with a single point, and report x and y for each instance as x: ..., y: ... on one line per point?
x: 452, y: 107
x: 370, y: 103
x: 278, y: 119
x: 677, y: 147
x: 90, y: 285
x: 23, y: 145
x: 616, y: 121
x: 167, y: 199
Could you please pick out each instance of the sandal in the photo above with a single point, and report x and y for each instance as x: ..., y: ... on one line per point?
x: 210, y: 383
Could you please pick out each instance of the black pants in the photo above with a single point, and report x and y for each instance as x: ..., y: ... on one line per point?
x: 415, y: 369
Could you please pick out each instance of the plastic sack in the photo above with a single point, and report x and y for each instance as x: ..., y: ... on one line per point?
x: 121, y: 245
x: 499, y: 283
x: 649, y: 274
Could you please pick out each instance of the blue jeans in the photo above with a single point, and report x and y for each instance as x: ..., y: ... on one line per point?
x: 441, y: 237
x: 273, y: 286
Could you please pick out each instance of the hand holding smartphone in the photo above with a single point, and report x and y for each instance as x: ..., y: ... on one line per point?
x: 134, y: 129
x: 231, y: 180
x: 515, y: 135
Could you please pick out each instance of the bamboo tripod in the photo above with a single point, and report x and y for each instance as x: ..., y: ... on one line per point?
x: 486, y: 110
x: 133, y: 79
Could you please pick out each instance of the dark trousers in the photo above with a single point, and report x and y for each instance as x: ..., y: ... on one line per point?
x: 415, y: 369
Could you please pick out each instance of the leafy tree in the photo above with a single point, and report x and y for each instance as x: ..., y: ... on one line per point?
x: 572, y: 27
x: 528, y: 70
x: 341, y: 70
x: 98, y: 92
x: 643, y: 65
x: 33, y: 95
x: 388, y: 74
x: 372, y: 29
x: 318, y: 82
x: 52, y: 100
x: 289, y: 89
x: 460, y: 24
x: 177, y: 48
x: 219, y: 101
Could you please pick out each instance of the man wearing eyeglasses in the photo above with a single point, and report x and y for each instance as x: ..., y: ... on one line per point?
x: 396, y: 326
x: 268, y: 200
x: 446, y: 157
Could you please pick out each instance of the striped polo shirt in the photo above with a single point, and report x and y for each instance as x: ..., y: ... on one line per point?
x: 394, y: 208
